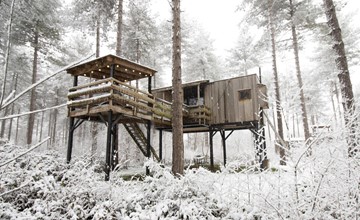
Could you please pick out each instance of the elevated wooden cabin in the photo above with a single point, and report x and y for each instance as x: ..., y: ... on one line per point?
x: 230, y: 103
x: 110, y: 99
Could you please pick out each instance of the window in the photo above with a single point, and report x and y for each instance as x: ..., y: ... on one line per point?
x: 244, y: 94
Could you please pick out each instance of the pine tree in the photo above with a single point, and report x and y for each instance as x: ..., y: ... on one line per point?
x: 177, y: 100
x: 298, y: 70
x: 344, y: 75
x: 38, y: 25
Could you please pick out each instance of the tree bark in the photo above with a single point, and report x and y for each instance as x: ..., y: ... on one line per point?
x: 118, y: 53
x: 97, y: 49
x: 49, y: 129
x: 3, y: 123
x: 298, y: 73
x: 55, y: 115
x: 7, y: 53
x: 42, y: 125
x: 119, y: 28
x: 17, y: 128
x: 276, y: 84
x: 14, y: 86
x: 343, y: 75
x: 177, y: 120
x: 94, y: 126
x: 31, y: 120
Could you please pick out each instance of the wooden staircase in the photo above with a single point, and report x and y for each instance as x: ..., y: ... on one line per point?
x: 139, y: 137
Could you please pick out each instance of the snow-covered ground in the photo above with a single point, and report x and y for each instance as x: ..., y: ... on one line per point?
x: 325, y: 185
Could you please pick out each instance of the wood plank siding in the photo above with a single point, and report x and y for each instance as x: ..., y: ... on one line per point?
x: 230, y: 101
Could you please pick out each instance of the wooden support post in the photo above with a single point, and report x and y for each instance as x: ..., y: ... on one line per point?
x: 264, y: 162
x: 211, y: 150
x: 223, y: 140
x: 71, y: 130
x: 148, y: 135
x: 115, y: 145
x: 148, y: 144
x: 70, y: 139
x: 112, y: 70
x: 160, y: 144
x: 108, y: 146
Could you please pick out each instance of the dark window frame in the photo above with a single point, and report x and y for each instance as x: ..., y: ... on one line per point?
x: 244, y: 94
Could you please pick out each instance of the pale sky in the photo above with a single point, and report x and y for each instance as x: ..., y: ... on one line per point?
x: 218, y: 17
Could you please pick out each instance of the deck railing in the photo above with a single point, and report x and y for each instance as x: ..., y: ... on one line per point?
x: 111, y: 94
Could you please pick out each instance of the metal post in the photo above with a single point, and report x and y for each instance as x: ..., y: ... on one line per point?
x: 108, y: 147
x: 223, y: 139
x: 160, y: 144
x: 71, y: 130
x: 211, y: 151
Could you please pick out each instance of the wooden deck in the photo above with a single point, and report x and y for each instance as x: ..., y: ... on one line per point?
x: 99, y: 97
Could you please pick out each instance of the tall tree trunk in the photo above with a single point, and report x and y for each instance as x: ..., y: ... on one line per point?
x: 14, y: 86
x: 298, y: 73
x: 17, y: 128
x: 177, y: 120
x: 97, y: 49
x: 94, y: 127
x: 118, y: 53
x: 276, y: 84
x: 41, y: 126
x: 344, y: 75
x: 11, y: 122
x: 332, y: 90
x: 31, y: 120
x: 3, y: 123
x: 119, y: 28
x: 338, y: 104
x: 7, y: 53
x: 55, y: 115
x: 37, y: 129
x: 49, y: 144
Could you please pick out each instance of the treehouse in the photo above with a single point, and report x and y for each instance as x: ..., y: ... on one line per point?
x: 109, y: 98
x: 229, y: 104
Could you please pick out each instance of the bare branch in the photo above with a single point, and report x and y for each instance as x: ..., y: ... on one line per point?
x: 22, y: 154
x: 8, y: 45
x: 16, y: 189
x: 32, y: 112
x: 43, y: 80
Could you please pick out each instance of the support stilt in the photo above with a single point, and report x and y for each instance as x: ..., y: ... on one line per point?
x: 223, y: 140
x: 114, y: 153
x: 211, y: 135
x: 108, y: 146
x: 71, y: 130
x: 148, y: 143
x: 70, y: 140
x: 264, y: 164
x: 160, y: 144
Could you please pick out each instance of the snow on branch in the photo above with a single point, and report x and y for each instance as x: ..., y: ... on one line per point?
x: 22, y: 154
x: 9, y: 96
x: 41, y: 81
x: 16, y: 189
x: 33, y: 112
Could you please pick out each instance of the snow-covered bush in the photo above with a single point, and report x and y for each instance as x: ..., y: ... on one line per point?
x: 323, y: 185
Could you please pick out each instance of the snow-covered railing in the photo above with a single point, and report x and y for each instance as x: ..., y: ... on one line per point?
x: 111, y: 94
